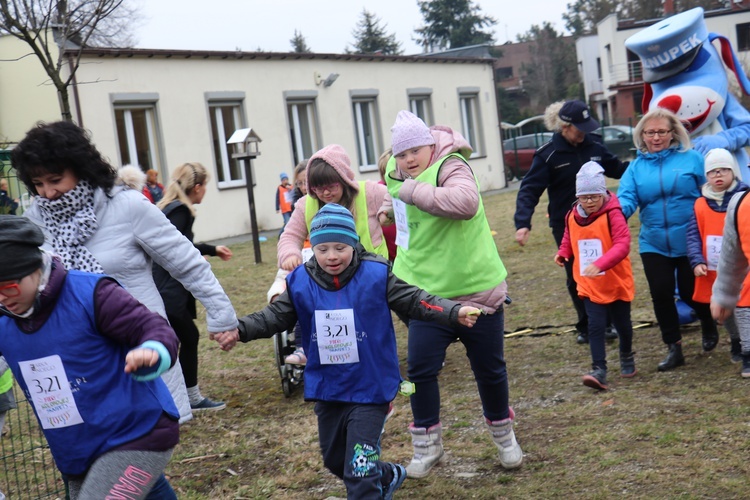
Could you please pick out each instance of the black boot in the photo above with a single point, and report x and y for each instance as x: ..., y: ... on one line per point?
x: 710, y: 339
x: 610, y: 333
x: 627, y: 364
x: 736, y: 351
x: 583, y: 338
x: 674, y: 358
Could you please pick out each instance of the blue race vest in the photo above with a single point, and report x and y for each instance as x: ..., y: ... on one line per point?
x: 115, y: 408
x: 374, y: 379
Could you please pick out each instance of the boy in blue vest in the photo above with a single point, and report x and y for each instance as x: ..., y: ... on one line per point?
x: 342, y: 298
x: 88, y: 356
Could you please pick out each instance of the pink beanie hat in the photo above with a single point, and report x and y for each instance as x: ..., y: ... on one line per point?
x: 408, y: 132
x: 336, y: 157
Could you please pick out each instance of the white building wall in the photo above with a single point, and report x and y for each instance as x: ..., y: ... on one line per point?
x: 185, y: 130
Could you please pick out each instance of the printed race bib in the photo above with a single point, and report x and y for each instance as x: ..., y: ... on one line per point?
x: 50, y: 392
x: 713, y: 251
x: 402, y: 223
x: 307, y: 254
x: 337, y: 339
x: 588, y: 252
x: 289, y: 196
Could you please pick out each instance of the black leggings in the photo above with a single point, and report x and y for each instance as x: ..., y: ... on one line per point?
x: 188, y: 334
x: 660, y: 274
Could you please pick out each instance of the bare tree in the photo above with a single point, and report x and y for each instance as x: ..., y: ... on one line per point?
x: 71, y: 26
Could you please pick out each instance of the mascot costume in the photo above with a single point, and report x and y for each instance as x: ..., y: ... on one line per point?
x: 684, y: 73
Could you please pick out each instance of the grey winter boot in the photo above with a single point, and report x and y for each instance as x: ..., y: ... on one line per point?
x: 627, y: 364
x: 428, y: 450
x: 504, y: 438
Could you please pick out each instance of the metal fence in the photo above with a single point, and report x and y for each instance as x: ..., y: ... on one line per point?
x: 27, y: 469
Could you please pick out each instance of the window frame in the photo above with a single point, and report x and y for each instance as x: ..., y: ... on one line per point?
x: 293, y: 99
x: 215, y: 101
x: 474, y: 134
x: 358, y: 98
x: 127, y: 103
x: 421, y: 95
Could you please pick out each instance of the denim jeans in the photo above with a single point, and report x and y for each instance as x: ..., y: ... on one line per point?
x: 428, y: 342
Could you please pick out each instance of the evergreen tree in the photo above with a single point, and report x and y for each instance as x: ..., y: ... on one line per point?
x: 370, y: 37
x: 449, y: 24
x: 299, y: 44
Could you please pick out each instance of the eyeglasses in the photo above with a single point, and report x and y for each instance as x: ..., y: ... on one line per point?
x: 590, y: 198
x: 330, y: 188
x: 11, y: 289
x: 660, y: 133
x: 718, y: 171
x: 300, y: 183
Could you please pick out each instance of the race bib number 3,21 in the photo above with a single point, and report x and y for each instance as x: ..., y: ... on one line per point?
x: 50, y: 392
x: 337, y: 339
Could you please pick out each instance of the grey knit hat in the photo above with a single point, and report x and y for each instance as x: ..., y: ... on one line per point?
x: 20, y: 240
x: 590, y: 179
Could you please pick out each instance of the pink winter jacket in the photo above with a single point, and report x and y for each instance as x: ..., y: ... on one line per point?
x: 295, y: 232
x: 455, y: 197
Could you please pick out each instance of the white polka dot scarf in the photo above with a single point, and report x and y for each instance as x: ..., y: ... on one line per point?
x: 71, y: 221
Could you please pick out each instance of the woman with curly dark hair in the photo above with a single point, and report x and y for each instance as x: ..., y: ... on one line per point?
x: 97, y: 224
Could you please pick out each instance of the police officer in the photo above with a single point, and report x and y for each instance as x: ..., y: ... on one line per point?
x: 554, y: 168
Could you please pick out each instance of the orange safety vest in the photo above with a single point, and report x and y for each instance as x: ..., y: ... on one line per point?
x: 710, y: 223
x: 616, y: 283
x: 742, y: 212
x: 285, y: 198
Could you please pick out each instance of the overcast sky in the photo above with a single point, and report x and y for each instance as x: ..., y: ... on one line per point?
x: 327, y: 25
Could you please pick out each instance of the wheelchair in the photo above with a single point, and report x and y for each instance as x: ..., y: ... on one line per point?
x: 291, y: 375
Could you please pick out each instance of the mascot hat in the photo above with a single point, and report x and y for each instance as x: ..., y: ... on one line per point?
x: 669, y: 46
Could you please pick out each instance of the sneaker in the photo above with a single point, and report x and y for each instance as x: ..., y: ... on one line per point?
x: 610, y: 333
x: 399, y: 474
x: 207, y: 404
x: 597, y: 379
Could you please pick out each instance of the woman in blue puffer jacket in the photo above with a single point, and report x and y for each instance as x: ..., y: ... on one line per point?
x: 663, y: 182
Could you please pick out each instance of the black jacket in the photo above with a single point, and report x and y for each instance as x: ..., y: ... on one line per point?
x: 177, y: 300
x: 403, y: 298
x: 554, y: 168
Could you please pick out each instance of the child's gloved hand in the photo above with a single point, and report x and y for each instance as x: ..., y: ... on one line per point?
x: 467, y: 315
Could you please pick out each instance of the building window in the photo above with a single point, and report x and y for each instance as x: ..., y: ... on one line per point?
x: 225, y: 117
x: 470, y: 120
x: 420, y: 103
x: 303, y: 124
x: 137, y: 136
x: 504, y: 73
x: 743, y: 37
x: 364, y: 107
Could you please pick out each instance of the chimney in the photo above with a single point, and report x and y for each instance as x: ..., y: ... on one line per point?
x: 668, y: 8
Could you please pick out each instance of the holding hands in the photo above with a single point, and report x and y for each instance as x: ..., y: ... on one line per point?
x: 227, y: 340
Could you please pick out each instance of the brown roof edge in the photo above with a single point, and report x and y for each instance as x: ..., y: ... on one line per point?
x: 279, y: 56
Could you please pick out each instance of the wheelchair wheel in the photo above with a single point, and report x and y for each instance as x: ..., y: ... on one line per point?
x: 281, y: 344
x: 286, y: 386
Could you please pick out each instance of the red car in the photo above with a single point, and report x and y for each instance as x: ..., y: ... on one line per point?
x: 518, y: 153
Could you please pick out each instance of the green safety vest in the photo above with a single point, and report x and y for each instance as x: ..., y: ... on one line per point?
x: 446, y: 257
x: 6, y: 381
x: 361, y: 222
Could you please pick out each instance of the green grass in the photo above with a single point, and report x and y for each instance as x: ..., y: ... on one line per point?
x: 680, y: 434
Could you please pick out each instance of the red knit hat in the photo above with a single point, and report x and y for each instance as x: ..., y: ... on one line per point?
x: 336, y: 157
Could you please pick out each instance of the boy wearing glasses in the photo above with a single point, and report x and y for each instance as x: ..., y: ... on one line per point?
x: 705, y: 235
x: 597, y: 238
